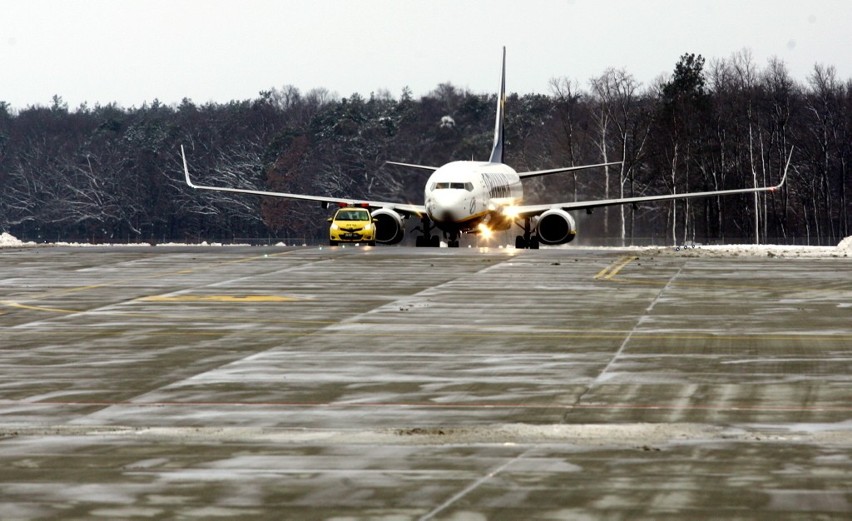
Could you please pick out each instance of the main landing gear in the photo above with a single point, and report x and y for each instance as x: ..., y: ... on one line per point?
x: 430, y: 241
x: 527, y: 240
x: 426, y: 239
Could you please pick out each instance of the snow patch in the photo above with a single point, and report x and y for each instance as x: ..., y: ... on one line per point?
x: 843, y: 249
x: 8, y: 240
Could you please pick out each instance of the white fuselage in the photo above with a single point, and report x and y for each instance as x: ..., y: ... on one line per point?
x: 463, y: 195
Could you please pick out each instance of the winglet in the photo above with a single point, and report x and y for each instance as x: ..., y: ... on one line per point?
x: 497, y: 151
x: 786, y: 168
x: 185, y: 168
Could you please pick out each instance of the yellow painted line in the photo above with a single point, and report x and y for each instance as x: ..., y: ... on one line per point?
x: 37, y: 308
x: 612, y: 270
x: 219, y: 298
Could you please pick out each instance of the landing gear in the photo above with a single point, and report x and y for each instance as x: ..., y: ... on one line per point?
x: 431, y: 241
x: 453, y: 240
x: 523, y: 244
x: 527, y: 240
x: 426, y: 239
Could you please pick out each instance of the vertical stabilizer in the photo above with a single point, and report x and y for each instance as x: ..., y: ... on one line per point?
x: 497, y: 151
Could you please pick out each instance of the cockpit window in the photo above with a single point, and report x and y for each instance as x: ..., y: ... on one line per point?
x: 454, y: 186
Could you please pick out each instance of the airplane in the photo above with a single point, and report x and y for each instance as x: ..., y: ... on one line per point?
x: 481, y: 197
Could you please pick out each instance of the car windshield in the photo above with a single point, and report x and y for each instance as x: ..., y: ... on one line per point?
x: 353, y: 215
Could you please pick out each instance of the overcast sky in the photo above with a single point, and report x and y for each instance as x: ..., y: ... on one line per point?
x: 135, y: 51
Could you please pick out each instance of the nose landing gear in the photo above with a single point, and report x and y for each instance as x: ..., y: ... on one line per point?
x: 427, y: 240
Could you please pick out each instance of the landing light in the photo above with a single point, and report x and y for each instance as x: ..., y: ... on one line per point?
x: 511, y: 212
x: 484, y: 231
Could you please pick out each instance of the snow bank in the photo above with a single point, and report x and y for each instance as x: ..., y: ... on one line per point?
x: 843, y: 249
x: 10, y: 241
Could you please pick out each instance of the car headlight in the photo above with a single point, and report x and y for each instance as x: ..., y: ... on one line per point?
x: 368, y: 227
x: 334, y: 226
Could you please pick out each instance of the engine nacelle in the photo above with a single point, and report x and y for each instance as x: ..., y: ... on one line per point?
x: 556, y: 227
x: 389, y: 229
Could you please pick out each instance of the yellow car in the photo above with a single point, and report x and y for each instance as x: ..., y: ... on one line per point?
x: 352, y: 224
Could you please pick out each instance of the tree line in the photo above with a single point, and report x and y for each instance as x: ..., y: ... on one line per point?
x: 112, y: 174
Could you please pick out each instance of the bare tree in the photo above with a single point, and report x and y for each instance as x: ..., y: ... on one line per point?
x: 620, y: 105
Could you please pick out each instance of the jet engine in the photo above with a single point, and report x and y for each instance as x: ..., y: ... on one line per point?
x: 389, y: 229
x: 556, y: 227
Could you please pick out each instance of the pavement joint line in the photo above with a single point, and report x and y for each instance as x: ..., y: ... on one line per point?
x: 473, y: 486
x: 323, y: 330
x: 182, y: 271
x: 427, y: 405
x: 220, y: 298
x: 486, y: 331
x: 630, y: 333
x: 686, y: 284
x: 610, y: 273
x: 56, y: 293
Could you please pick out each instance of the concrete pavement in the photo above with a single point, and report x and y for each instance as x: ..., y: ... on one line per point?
x: 403, y: 383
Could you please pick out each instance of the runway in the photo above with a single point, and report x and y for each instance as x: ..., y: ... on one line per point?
x: 404, y: 383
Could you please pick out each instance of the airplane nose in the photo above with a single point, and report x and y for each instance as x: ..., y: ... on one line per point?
x: 447, y: 206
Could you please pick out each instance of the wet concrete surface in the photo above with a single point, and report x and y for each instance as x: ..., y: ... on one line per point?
x: 403, y: 383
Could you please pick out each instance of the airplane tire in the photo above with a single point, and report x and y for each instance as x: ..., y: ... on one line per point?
x: 520, y: 243
x: 434, y: 241
x: 533, y: 243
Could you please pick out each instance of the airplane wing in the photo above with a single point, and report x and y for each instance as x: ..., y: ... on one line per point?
x: 411, y: 209
x: 537, y: 209
x: 535, y: 173
x: 410, y: 165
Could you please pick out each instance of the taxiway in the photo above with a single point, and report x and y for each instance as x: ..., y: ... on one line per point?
x: 403, y: 383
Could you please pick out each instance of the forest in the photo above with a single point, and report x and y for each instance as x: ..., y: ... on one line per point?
x: 108, y: 174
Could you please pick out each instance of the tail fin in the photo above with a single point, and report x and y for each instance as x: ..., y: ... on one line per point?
x: 497, y: 151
